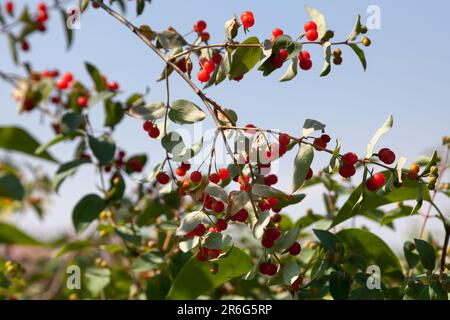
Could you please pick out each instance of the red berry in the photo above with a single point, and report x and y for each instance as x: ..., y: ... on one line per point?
x: 162, y: 177
x: 55, y: 99
x: 200, y: 26
x: 25, y: 45
x: 202, y: 255
x: 209, y: 66
x: 222, y: 224
x: 217, y: 57
x: 62, y: 84
x: 284, y: 139
x: 148, y: 125
x: 42, y: 16
x: 295, y: 287
x: 319, y: 144
x: 272, y: 201
x: 310, y: 174
x: 250, y: 126
x: 276, y: 61
x: 271, y: 180
x: 82, y: 101
x: 186, y: 166
x: 41, y: 27
x: 209, y: 201
x: 295, y: 249
x: 277, y: 32
x: 325, y: 138
x: 283, y: 53
x: 203, y: 76
x: 214, y: 178
x: 347, y: 171
x: 276, y: 218
x: 312, y: 35
x: 248, y: 20
x: 9, y: 6
x: 224, y: 174
x: 180, y: 172
x: 350, y: 159
x: 42, y: 6
x: 240, y: 216
x: 121, y: 154
x: 304, y: 55
x: 267, y: 242
x: 271, y: 269
x: 238, y: 78
x: 264, y: 205
x: 370, y: 185
x: 199, y: 230
x: 196, y: 176
x: 379, y: 180
x: 386, y: 155
x: 114, y: 86
x: 68, y: 77
x: 305, y: 64
x: 154, y: 132
x: 272, y: 233
x: 218, y: 207
x: 205, y: 36
x: 182, y: 65
x: 263, y: 268
x: 310, y: 25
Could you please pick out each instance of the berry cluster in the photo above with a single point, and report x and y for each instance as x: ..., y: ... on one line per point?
x: 200, y: 27
x: 152, y: 129
x: 311, y: 31
x: 207, y: 66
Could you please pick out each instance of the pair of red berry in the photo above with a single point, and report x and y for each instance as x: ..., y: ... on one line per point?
x: 311, y: 31
x: 223, y: 174
x: 207, y: 67
x: 206, y: 253
x: 277, y: 32
x: 240, y: 216
x: 269, y: 237
x: 304, y: 60
x: 268, y: 268
x: 248, y: 19
x: 321, y: 143
x: 182, y: 169
x: 152, y: 129
x: 65, y: 81
x: 42, y: 14
x: 347, y: 168
x: 215, y: 205
x: 386, y: 155
x: 267, y: 204
x: 271, y: 179
x: 200, y: 27
x: 198, y: 231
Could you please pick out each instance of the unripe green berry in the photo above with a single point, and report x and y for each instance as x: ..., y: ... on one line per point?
x: 366, y: 41
x: 363, y: 29
x: 337, y: 61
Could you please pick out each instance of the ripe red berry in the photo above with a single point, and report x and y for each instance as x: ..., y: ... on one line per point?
x: 284, y: 139
x: 200, y: 26
x: 203, y: 76
x: 196, y: 176
x: 182, y: 65
x: 276, y: 218
x: 370, y: 185
x: 204, y: 36
x: 42, y: 6
x: 9, y: 7
x: 218, y: 206
x: 295, y: 249
x: 283, y: 53
x: 42, y: 16
x: 276, y: 61
x: 248, y: 19
x: 272, y: 201
x: 305, y: 64
x: 224, y: 174
x: 379, y: 180
x: 310, y: 174
x: 41, y: 27
x: 312, y: 35
x: 154, y: 132
x: 68, y: 77
x: 238, y: 78
x: 271, y: 269
x: 214, y: 178
x: 114, y: 86
x: 271, y: 179
x: 319, y: 144
x: 267, y: 242
x: 240, y: 216
x: 272, y: 233
x: 347, y: 171
x: 199, y: 230
x: 217, y: 57
x: 162, y: 177
x: 325, y: 138
x: 277, y: 32
x: 82, y: 101
x: 180, y: 172
x: 148, y: 125
x: 62, y: 84
x: 186, y: 166
x: 25, y: 45
x: 221, y: 224
x: 304, y: 55
x: 310, y: 25
x: 209, y: 66
x: 263, y: 268
x: 386, y: 155
x: 350, y: 159
x: 202, y: 255
x: 121, y: 154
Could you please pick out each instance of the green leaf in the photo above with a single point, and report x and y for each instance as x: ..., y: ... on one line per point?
x: 68, y: 31
x: 147, y: 262
x: 113, y: 113
x: 195, y: 277
x: 245, y: 58
x: 327, y: 63
x: 9, y: 234
x: 411, y: 258
x: 57, y: 139
x: 339, y: 285
x: 70, y: 122
x: 87, y: 210
x: 97, y: 280
x: 286, y: 240
x: 103, y: 148
x: 291, y: 71
x: 356, y: 30
x: 262, y: 190
x: 217, y: 192
x: 151, y: 111
x: 96, y: 77
x: 427, y: 254
x: 417, y: 292
x: 261, y: 224
x: 173, y: 143
x: 319, y: 19
x: 432, y: 162
x: 74, y: 246
x: 152, y: 210
x: 99, y: 97
x: 65, y: 170
x: 185, y: 112
x: 224, y: 68
x: 302, y: 163
x: 387, y: 126
x: 327, y: 239
x: 360, y: 53
x: 189, y: 222
x: 374, y: 250
x: 17, y: 139
x: 11, y: 187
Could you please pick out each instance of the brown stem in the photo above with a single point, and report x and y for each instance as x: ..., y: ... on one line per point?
x: 444, y: 248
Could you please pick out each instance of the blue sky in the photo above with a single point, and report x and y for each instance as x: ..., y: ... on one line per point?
x: 407, y: 75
